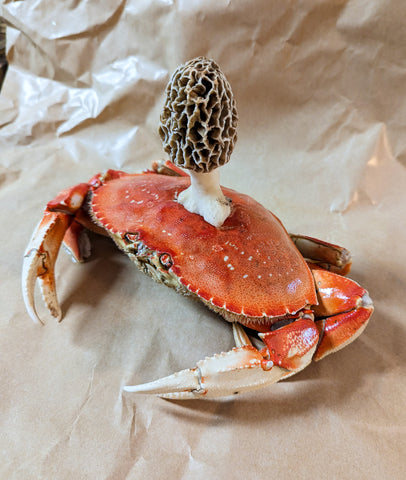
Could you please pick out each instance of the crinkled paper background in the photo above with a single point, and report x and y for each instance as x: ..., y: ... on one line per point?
x: 320, y: 87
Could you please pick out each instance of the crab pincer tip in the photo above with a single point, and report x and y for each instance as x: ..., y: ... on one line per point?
x: 183, y: 382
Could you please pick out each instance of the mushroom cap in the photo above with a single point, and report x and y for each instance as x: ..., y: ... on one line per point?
x: 199, y: 120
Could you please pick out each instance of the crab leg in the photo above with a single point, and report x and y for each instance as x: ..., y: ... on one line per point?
x: 327, y: 255
x: 343, y: 312
x: 238, y: 370
x: 43, y: 248
x: 243, y: 368
x: 39, y: 261
x: 341, y: 316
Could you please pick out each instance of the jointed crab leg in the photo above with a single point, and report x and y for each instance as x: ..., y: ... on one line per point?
x: 42, y: 250
x: 342, y: 314
x: 240, y: 336
x: 238, y: 370
x: 343, y: 311
x: 243, y: 368
x: 327, y: 255
x: 39, y: 262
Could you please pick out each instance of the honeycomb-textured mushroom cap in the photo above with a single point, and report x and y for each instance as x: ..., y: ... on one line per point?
x: 199, y: 119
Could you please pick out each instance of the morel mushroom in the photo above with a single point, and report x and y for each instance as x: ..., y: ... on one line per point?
x: 198, y: 130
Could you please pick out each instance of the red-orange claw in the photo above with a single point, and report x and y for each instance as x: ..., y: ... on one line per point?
x: 340, y: 330
x: 39, y: 262
x: 293, y: 345
x: 336, y: 294
x: 70, y: 199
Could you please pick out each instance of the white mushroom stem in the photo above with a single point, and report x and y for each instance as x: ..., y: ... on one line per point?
x: 204, y: 197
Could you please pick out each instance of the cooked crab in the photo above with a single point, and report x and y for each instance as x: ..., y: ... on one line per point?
x: 239, y: 260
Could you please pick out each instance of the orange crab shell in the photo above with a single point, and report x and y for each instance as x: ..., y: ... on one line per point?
x: 248, y: 267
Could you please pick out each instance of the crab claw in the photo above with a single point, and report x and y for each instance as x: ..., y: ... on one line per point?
x: 292, y: 346
x: 244, y: 368
x: 343, y: 312
x: 238, y: 370
x: 42, y: 250
x: 39, y: 262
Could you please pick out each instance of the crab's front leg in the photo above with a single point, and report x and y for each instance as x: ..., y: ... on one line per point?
x: 64, y: 221
x: 342, y: 314
x: 327, y: 255
x: 243, y: 368
x: 343, y: 311
x: 43, y: 248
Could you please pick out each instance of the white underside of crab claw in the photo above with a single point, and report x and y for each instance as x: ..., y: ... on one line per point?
x: 204, y: 197
x: 238, y: 370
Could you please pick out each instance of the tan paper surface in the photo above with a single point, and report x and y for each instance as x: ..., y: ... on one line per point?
x: 320, y: 88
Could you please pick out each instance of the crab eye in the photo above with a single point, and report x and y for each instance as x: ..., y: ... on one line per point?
x: 131, y: 237
x: 166, y: 260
